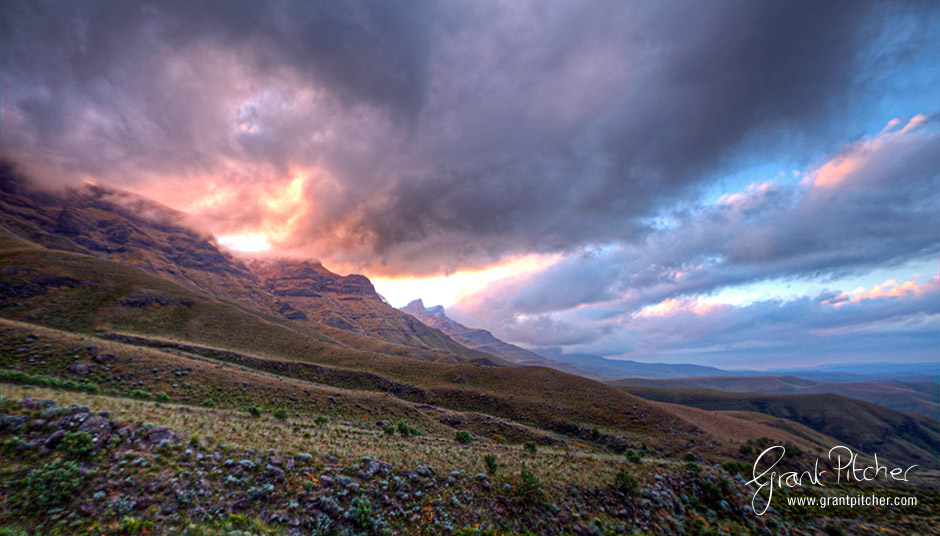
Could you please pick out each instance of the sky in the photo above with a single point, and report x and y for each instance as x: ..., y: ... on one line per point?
x: 732, y: 183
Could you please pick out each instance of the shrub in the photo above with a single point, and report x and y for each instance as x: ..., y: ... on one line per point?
x: 254, y: 411
x: 689, y: 456
x: 140, y: 394
x: 162, y: 397
x: 321, y: 420
x: 736, y: 467
x: 499, y: 438
x: 463, y: 436
x: 633, y: 456
x: 77, y: 445
x: 491, y: 464
x: 407, y: 430
x: 52, y: 484
x: 625, y: 483
x: 132, y: 525
x: 745, y: 449
x: 530, y: 487
x: 281, y: 414
x: 23, y: 378
x: 530, y: 447
x: 388, y: 429
x: 362, y: 513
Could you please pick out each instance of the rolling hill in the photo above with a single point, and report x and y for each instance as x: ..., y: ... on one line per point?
x: 862, y: 425
x: 906, y: 397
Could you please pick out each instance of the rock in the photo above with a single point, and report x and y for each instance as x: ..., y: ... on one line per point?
x: 240, y: 505
x: 77, y: 409
x: 458, y: 379
x: 101, y: 359
x: 54, y: 439
x: 79, y: 369
x: 169, y: 508
x: 97, y: 427
x: 160, y: 433
x: 277, y: 472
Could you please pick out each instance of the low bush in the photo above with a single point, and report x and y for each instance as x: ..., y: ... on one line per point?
x: 52, y: 484
x: 633, y: 456
x: 625, y: 483
x: 406, y: 430
x: 492, y: 466
x: 23, y: 378
x: 529, y: 488
x: 463, y: 437
x: 530, y: 447
x: 77, y: 445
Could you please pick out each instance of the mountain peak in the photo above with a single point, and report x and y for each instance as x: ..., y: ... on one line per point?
x: 416, y: 307
x: 437, y: 310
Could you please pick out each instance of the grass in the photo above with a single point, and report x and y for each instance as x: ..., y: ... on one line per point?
x: 349, y: 443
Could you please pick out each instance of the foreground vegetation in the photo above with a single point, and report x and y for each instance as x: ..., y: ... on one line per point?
x: 80, y: 463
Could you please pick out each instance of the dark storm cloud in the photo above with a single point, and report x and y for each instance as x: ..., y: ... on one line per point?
x: 450, y: 133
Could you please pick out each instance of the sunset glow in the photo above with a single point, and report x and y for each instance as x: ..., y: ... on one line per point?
x: 449, y: 289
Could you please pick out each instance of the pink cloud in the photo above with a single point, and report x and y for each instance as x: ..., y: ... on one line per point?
x: 889, y: 289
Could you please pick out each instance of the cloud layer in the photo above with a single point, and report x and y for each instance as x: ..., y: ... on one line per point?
x: 427, y: 137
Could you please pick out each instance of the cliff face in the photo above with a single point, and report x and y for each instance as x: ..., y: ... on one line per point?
x: 126, y: 228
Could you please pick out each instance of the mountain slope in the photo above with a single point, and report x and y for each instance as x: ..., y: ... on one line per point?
x: 350, y: 303
x: 483, y: 340
x: 135, y: 231
x: 126, y: 228
x: 861, y: 425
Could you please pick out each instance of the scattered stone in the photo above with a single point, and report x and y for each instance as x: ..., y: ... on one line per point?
x: 54, y: 439
x: 101, y: 359
x: 160, y: 433
x: 79, y: 369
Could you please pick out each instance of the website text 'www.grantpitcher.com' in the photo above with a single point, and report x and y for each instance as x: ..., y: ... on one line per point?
x: 853, y: 500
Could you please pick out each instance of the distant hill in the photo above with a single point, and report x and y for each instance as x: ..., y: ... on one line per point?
x: 483, y: 340
x: 619, y: 368
x: 902, y: 437
x: 906, y: 397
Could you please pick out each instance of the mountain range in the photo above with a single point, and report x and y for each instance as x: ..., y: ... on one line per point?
x: 90, y: 266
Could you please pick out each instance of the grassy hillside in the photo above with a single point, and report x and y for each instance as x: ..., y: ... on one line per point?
x: 905, y: 438
x: 66, y: 291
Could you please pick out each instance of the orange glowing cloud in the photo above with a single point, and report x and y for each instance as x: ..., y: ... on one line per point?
x: 449, y: 289
x: 889, y: 289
